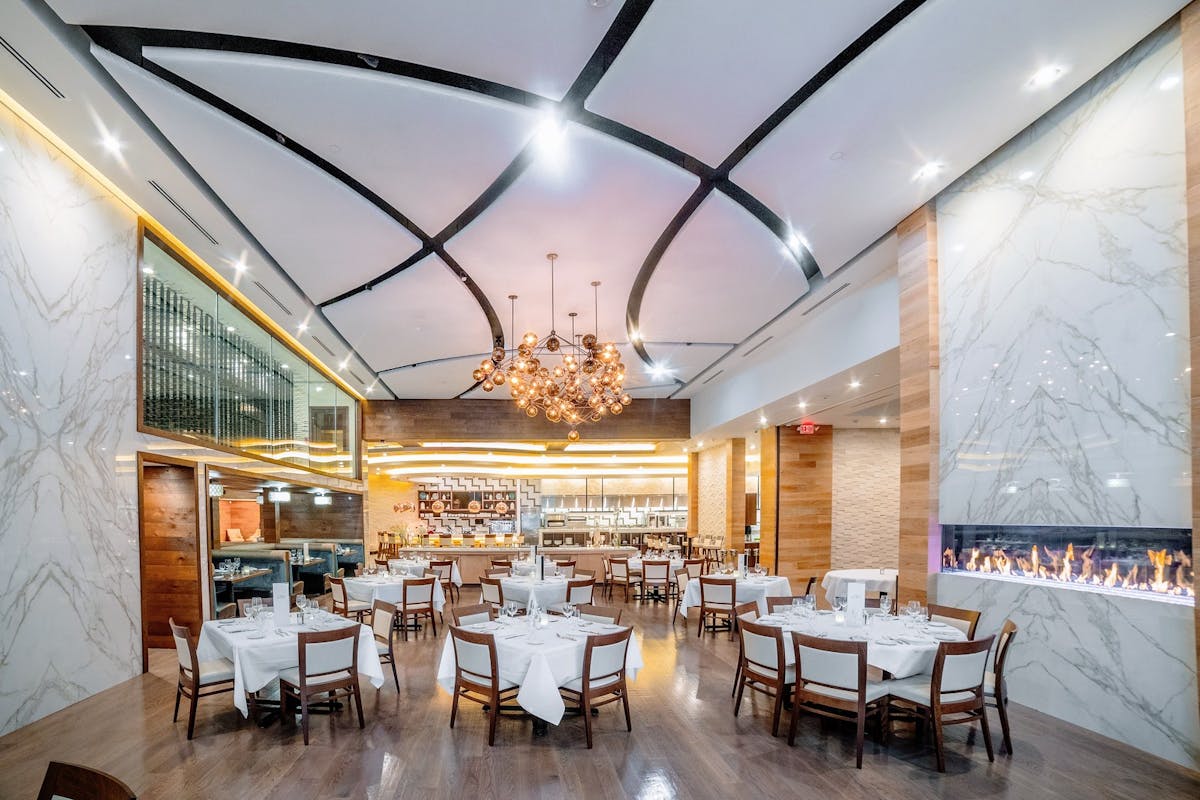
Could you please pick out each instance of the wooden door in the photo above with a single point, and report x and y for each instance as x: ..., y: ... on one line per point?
x: 169, y: 524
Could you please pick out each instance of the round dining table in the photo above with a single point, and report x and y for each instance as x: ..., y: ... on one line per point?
x: 876, y: 580
x: 549, y: 592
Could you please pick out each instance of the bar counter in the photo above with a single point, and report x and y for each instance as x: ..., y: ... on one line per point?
x: 472, y: 561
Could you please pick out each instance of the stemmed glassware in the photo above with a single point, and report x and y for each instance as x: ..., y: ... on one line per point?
x: 885, y: 605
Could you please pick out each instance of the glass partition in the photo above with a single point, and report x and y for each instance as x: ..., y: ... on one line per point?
x: 211, y: 373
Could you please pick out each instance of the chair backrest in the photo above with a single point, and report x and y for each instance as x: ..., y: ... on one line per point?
x: 1008, y: 632
x: 682, y: 576
x: 382, y: 615
x: 326, y: 652
x: 716, y: 591
x: 746, y: 612
x: 585, y: 573
x: 501, y: 562
x: 417, y: 592
x: 607, y: 564
x: 73, y: 782
x: 656, y: 571
x: 600, y: 614
x: 959, y: 666
x: 185, y: 648
x: 694, y: 567
x: 338, y: 589
x: 382, y: 563
x: 964, y: 619
x: 763, y: 648
x: 243, y: 606
x: 579, y: 590
x: 443, y: 569
x: 834, y: 663
x: 604, y: 656
x: 475, y: 657
x: 491, y: 591
x: 778, y: 602
x: 471, y: 615
x: 620, y: 568
x: 492, y: 572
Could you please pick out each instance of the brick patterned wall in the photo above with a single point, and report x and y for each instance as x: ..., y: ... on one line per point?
x: 711, y: 500
x: 866, y: 498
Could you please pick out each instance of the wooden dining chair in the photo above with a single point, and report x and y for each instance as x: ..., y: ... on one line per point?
x: 501, y: 563
x: 964, y: 619
x: 831, y: 681
x: 764, y: 667
x: 580, y: 591
x: 383, y: 621
x: 603, y: 678
x: 496, y: 572
x: 657, y: 575
x: 328, y: 666
x: 994, y: 686
x: 477, y: 676
x: 416, y: 604
x: 716, y: 601
x: 445, y: 573
x: 953, y: 696
x: 566, y: 569
x: 491, y: 592
x: 780, y: 603
x: 610, y: 614
x: 75, y: 782
x: 621, y: 576
x: 197, y: 678
x: 606, y: 563
x: 744, y: 612
x: 472, y: 615
x: 694, y: 567
x: 681, y: 583
x: 342, y: 604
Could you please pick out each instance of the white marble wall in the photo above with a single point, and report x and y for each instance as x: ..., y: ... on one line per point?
x: 69, y: 594
x: 1122, y: 666
x: 1064, y: 323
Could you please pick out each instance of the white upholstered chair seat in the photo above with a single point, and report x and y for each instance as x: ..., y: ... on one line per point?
x: 577, y: 684
x: 358, y: 605
x: 382, y: 647
x: 292, y: 676
x: 789, y: 675
x: 917, y: 690
x: 215, y: 671
x: 875, y: 690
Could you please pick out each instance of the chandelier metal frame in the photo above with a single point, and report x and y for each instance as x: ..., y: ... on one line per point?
x: 572, y: 380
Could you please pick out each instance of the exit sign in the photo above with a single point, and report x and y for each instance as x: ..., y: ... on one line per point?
x: 806, y: 427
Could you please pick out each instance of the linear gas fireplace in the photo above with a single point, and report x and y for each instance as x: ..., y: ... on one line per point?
x: 1157, y: 560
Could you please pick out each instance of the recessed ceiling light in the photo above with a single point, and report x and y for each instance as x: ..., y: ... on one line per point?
x: 928, y: 171
x: 239, y: 266
x: 1170, y: 333
x: 699, y: 444
x: 802, y: 404
x: 230, y: 328
x: 284, y: 366
x: 836, y: 155
x: 1169, y: 82
x: 148, y: 270
x: 111, y: 143
x: 551, y: 138
x: 854, y: 384
x: 762, y: 420
x: 658, y: 371
x: 1045, y: 76
x: 302, y: 327
x: 1026, y: 175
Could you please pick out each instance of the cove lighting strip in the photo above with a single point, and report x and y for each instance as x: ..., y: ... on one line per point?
x: 537, y: 462
x: 542, y: 472
x: 614, y: 447
x: 522, y: 446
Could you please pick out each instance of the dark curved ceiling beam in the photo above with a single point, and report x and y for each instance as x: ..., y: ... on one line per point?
x: 719, y: 177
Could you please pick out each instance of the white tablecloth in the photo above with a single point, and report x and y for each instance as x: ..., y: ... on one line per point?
x: 549, y: 592
x: 539, y: 669
x: 388, y: 588
x: 420, y: 565
x: 834, y: 582
x: 891, y: 645
x: 757, y: 589
x: 257, y: 662
x: 635, y: 565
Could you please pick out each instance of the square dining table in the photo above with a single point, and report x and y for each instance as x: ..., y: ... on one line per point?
x: 389, y: 588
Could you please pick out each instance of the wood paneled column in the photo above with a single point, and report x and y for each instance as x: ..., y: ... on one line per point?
x: 1190, y: 34
x: 796, y: 484
x: 735, y: 494
x: 920, y: 534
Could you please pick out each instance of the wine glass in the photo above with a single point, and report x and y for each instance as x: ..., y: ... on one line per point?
x: 797, y: 606
x: 839, y: 603
x: 885, y: 605
x: 569, y: 611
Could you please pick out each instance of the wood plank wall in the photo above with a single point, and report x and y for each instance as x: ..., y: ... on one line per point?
x: 301, y: 517
x: 245, y: 515
x: 796, y: 479
x: 735, y: 494
x: 693, y: 466
x: 169, y: 522
x: 920, y: 537
x: 1190, y: 33
x: 457, y: 420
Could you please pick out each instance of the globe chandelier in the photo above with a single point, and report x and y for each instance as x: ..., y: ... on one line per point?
x: 572, y: 381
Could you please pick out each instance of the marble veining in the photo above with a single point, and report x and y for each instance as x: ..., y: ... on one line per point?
x: 1119, y: 665
x: 1064, y: 324
x: 69, y: 586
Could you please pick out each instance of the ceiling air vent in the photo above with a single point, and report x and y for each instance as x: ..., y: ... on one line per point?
x: 31, y: 69
x: 324, y: 347
x: 712, y: 377
x: 183, y: 211
x: 823, y: 300
x: 760, y: 344
x: 355, y: 376
x: 273, y: 298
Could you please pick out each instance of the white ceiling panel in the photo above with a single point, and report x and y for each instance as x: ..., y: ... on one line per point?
x: 326, y: 236
x: 946, y: 86
x: 424, y: 313
x: 676, y: 361
x: 689, y: 57
x: 600, y: 204
x: 538, y: 45
x: 723, y: 276
x: 427, y: 150
x: 437, y: 381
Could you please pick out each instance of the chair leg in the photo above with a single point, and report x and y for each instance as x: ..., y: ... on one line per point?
x: 358, y: 705
x: 304, y: 717
x: 404, y: 625
x: 987, y: 733
x: 493, y: 713
x: 858, y: 740
x: 777, y: 712
x: 454, y: 707
x: 625, y: 702
x: 585, y: 702
x: 794, y: 723
x: 395, y: 678
x: 1002, y: 708
x: 178, y: 694
x: 737, y: 677
x: 937, y: 745
x: 699, y: 622
x: 192, y: 713
x: 433, y: 624
x: 737, y: 704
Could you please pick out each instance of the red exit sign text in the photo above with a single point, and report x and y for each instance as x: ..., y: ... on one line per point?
x: 806, y: 427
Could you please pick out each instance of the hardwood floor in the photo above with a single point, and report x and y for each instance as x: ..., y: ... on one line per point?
x: 685, y: 743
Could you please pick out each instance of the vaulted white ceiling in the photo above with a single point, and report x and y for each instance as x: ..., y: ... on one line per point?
x: 391, y: 172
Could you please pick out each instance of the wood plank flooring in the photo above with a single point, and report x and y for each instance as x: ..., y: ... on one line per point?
x: 685, y: 743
